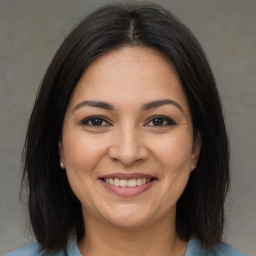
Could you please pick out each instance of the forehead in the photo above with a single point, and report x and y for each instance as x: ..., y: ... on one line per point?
x: 133, y: 74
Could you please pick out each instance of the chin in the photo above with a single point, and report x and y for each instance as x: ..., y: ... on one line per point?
x: 129, y: 223
x: 129, y: 217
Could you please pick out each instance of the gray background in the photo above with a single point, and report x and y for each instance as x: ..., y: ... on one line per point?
x: 30, y: 33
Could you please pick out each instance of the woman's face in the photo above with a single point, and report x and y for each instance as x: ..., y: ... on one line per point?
x: 127, y: 142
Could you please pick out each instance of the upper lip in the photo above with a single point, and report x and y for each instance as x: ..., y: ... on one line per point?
x: 127, y: 176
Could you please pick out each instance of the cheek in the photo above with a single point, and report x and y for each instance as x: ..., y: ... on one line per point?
x: 82, y: 152
x: 174, y: 151
x: 82, y: 156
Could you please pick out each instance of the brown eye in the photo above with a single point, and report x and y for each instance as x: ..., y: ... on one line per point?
x: 160, y: 121
x: 95, y: 121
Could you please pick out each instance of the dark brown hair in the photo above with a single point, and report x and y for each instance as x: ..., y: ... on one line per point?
x: 55, y: 212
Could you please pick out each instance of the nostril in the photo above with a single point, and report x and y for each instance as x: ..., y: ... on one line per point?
x: 127, y: 152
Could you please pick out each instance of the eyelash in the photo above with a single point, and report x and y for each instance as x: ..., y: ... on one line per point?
x: 91, y: 118
x: 166, y: 121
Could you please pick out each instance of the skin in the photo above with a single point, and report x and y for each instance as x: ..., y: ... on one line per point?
x: 129, y: 139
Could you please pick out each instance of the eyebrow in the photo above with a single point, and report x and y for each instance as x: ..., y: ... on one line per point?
x: 159, y: 103
x: 96, y: 104
x: 147, y: 106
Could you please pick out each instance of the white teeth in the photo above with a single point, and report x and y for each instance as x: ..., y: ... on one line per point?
x: 123, y: 183
x: 139, y: 182
x: 132, y: 183
x: 116, y: 182
x: 127, y: 183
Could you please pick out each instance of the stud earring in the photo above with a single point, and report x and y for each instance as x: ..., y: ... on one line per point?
x: 62, y: 165
x: 194, y: 167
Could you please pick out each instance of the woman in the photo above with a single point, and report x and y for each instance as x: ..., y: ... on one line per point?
x: 126, y: 150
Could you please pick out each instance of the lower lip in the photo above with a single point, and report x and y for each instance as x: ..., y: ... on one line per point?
x: 128, y: 191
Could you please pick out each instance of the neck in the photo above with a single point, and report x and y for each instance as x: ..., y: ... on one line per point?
x: 159, y: 238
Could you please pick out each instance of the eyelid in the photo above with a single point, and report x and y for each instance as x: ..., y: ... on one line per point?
x: 85, y: 120
x: 165, y: 118
x: 104, y: 119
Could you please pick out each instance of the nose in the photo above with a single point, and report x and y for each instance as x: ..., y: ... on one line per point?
x: 128, y: 147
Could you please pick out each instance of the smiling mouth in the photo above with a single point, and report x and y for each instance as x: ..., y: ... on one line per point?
x: 128, y: 185
x: 127, y: 182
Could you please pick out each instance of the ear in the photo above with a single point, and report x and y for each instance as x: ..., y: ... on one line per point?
x: 61, y: 153
x: 196, y: 151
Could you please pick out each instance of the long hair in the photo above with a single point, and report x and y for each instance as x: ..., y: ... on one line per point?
x: 54, y: 210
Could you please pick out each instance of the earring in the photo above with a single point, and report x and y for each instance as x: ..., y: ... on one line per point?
x: 194, y: 166
x: 62, y: 165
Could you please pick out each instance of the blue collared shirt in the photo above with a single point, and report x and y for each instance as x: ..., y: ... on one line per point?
x: 193, y: 249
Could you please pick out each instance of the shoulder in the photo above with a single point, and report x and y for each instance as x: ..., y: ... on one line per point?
x: 194, y: 248
x: 225, y: 249
x: 29, y: 250
x: 33, y: 250
x: 36, y: 250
